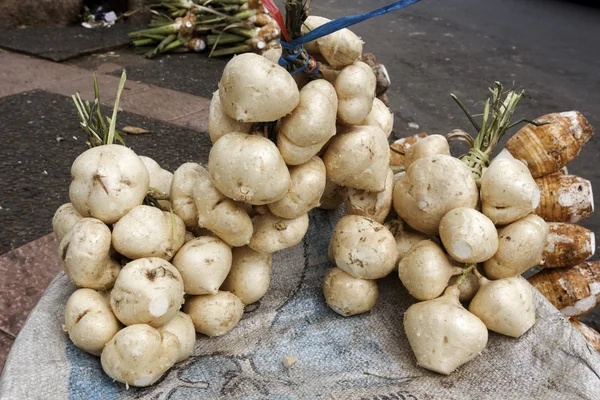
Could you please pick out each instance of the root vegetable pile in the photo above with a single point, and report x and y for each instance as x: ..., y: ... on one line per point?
x: 161, y: 256
x: 461, y: 231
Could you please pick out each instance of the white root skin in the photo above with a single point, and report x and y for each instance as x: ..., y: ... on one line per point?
x: 214, y: 315
x: 405, y: 237
x: 273, y: 54
x: 313, y: 120
x: 85, y: 255
x: 508, y: 191
x: 443, y: 334
x: 468, y: 288
x: 520, y: 247
x: 295, y: 155
x: 273, y: 233
x: 355, y: 87
x: 64, y: 219
x: 248, y: 168
x: 221, y: 215
x: 139, y: 355
x: 147, y: 291
x: 146, y: 231
x: 375, y: 205
x: 159, y: 178
x: 333, y: 195
x: 506, y: 306
x: 347, y: 295
x: 363, y: 248
x: 203, y: 264
x: 183, y: 328
x: 359, y: 159
x: 182, y: 193
x: 188, y: 236
x: 431, y: 187
x: 250, y: 274
x: 89, y: 321
x: 381, y: 117
x: 428, y: 146
x: 339, y: 49
x: 220, y: 124
x: 254, y: 89
x: 306, y: 188
x: 468, y: 235
x: 107, y: 182
x: 425, y: 270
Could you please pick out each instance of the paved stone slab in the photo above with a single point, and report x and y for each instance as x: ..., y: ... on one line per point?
x: 60, y: 44
x: 26, y: 272
x: 41, y: 139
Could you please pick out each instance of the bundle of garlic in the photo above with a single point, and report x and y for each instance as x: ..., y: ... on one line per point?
x: 464, y: 231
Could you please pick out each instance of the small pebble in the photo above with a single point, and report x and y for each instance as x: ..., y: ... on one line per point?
x: 288, y: 361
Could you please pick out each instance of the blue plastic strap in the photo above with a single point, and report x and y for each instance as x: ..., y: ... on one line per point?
x: 344, y: 22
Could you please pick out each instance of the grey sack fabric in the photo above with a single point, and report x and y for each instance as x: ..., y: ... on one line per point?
x: 362, y: 357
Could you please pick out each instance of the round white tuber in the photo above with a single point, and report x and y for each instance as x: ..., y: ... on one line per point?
x: 363, y: 248
x: 147, y: 291
x: 214, y: 315
x: 159, y: 178
x: 273, y: 233
x: 375, y: 205
x: 347, y: 295
x: 203, y: 264
x: 355, y: 87
x: 64, y: 219
x: 89, y: 321
x: 220, y: 124
x: 85, y: 255
x: 468, y: 235
x: 250, y: 274
x: 295, y: 155
x: 147, y: 231
x: 333, y: 195
x: 381, y: 117
x: 426, y: 147
x: 248, y: 168
x: 182, y: 193
x: 183, y: 328
x: 339, y: 48
x: 107, y: 182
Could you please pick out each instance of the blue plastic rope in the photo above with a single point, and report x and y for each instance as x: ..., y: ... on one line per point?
x: 334, y: 26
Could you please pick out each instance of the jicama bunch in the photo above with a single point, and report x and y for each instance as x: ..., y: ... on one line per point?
x: 224, y: 26
x: 465, y: 229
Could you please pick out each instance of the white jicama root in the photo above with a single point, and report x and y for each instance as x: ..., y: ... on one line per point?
x: 375, y: 205
x: 520, y: 247
x: 220, y: 124
x: 426, y: 147
x: 221, y: 215
x: 333, y: 195
x: 159, y: 178
x: 347, y: 295
x: 254, y: 89
x: 306, y: 188
x: 214, y: 315
x: 89, y: 321
x: 425, y: 270
x: 182, y: 193
x: 64, y: 219
x: 443, y: 334
x: 381, y: 117
x: 339, y: 48
x: 183, y: 328
x: 431, y: 187
x: 250, y: 274
x: 139, y: 355
x: 468, y: 235
x: 313, y: 120
x: 248, y: 168
x: 505, y: 306
x: 508, y: 191
x: 147, y: 291
x: 359, y: 158
x: 85, y: 255
x: 355, y: 87
x: 363, y: 248
x: 203, y: 264
x: 273, y: 233
x: 468, y: 286
x: 405, y: 237
x: 147, y: 231
x: 295, y: 155
x: 108, y: 181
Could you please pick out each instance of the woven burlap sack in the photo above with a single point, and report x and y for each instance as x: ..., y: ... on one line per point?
x: 362, y: 357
